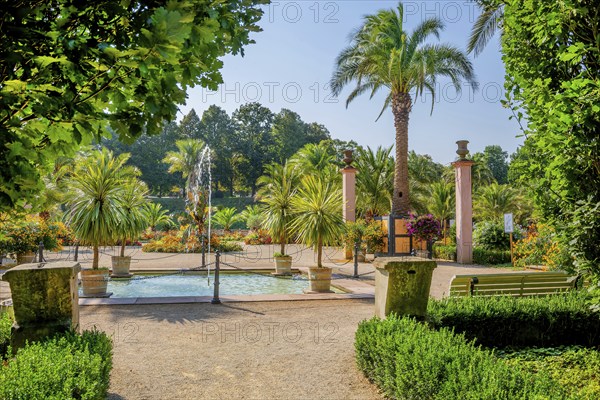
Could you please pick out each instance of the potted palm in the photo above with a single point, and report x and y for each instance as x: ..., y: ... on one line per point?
x: 135, y: 219
x: 318, y: 222
x: 96, y: 211
x: 278, y: 188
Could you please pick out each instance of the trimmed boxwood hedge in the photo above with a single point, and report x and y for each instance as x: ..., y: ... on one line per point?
x: 521, y: 322
x: 70, y: 366
x: 409, y: 360
x: 480, y: 255
x: 5, y: 325
x: 490, y: 257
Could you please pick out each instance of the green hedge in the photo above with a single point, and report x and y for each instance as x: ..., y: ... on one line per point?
x: 480, y: 255
x: 532, y: 321
x: 5, y: 325
x: 490, y: 257
x: 71, y: 366
x: 408, y: 360
x: 447, y: 252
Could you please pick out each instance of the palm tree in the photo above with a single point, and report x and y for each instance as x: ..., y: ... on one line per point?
x: 422, y: 171
x: 253, y: 216
x: 481, y: 173
x: 134, y: 200
x: 186, y: 160
x: 493, y: 201
x: 488, y: 22
x: 157, y: 215
x: 97, y: 205
x: 277, y: 188
x: 186, y: 157
x: 384, y: 55
x: 317, y: 221
x: 442, y: 202
x: 374, y: 181
x: 317, y: 159
x: 226, y: 217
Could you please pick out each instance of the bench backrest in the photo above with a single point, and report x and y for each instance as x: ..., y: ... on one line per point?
x: 514, y: 284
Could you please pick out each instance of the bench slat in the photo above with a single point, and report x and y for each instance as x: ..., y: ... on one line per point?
x: 513, y: 284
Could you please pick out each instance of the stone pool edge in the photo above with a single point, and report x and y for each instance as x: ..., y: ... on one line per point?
x: 356, y: 290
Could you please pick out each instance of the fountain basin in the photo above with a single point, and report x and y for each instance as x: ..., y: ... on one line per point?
x: 198, y: 285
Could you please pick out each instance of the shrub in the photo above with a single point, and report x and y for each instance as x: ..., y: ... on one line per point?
x: 531, y: 321
x: 444, y: 252
x: 581, y: 364
x: 5, y: 325
x: 490, y: 235
x: 408, y: 360
x: 186, y: 241
x: 369, y: 234
x: 543, y: 246
x: 71, y: 366
x: 490, y: 257
x: 258, y: 237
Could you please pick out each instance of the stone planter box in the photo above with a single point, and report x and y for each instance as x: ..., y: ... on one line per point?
x: 402, y: 285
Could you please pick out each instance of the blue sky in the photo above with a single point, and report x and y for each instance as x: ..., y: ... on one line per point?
x: 293, y: 58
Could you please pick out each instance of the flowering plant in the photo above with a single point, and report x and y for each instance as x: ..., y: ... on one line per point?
x: 425, y: 228
x: 25, y: 236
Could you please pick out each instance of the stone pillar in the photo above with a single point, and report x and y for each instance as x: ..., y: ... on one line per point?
x: 402, y: 285
x: 45, y: 300
x: 349, y: 194
x: 464, y: 206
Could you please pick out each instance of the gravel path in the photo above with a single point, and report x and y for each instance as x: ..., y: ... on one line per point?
x: 271, y: 350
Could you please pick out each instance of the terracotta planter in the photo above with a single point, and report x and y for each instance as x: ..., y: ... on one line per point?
x: 94, y: 282
x: 120, y: 266
x: 283, y: 265
x: 320, y: 279
x: 26, y: 258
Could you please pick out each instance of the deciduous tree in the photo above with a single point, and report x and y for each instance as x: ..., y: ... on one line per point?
x: 70, y: 68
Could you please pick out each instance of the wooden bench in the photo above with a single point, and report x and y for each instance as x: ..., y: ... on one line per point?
x: 513, y: 284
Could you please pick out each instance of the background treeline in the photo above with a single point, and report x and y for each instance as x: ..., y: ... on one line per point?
x: 241, y: 143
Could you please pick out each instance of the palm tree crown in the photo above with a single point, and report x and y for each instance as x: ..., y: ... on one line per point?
x: 186, y: 157
x: 489, y: 21
x: 278, y: 187
x: 383, y: 54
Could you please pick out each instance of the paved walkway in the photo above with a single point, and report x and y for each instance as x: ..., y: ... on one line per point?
x: 270, y: 350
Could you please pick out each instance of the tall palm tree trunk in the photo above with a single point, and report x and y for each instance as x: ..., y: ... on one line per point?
x: 401, y: 106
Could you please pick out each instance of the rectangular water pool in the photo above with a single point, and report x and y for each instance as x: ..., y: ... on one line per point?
x: 200, y: 285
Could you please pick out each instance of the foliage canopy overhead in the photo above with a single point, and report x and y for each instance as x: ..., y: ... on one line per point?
x: 68, y: 69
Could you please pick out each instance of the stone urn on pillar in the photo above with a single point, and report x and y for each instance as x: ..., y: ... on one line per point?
x: 464, y: 205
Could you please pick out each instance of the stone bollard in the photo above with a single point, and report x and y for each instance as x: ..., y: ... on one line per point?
x: 45, y: 300
x: 402, y: 285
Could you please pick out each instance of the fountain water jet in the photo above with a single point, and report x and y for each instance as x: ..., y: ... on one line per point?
x: 199, y: 195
